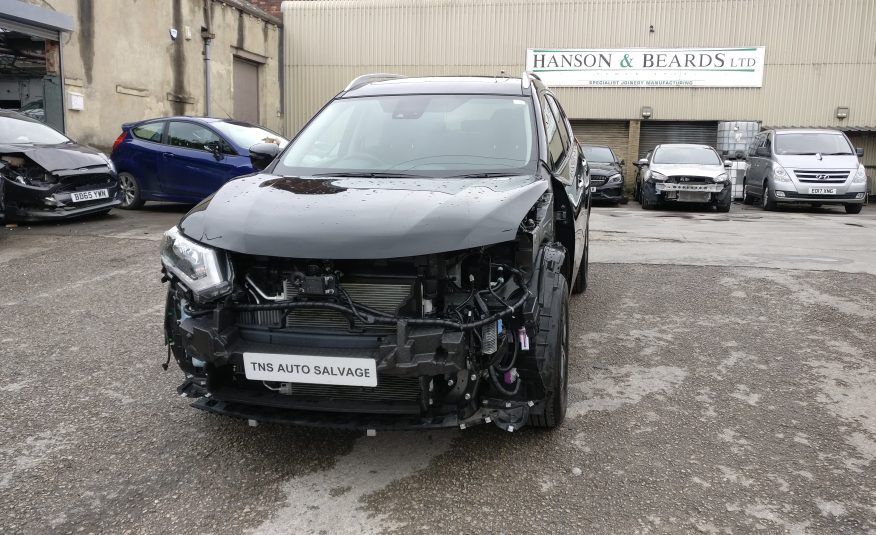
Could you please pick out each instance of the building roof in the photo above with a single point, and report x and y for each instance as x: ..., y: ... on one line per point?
x: 248, y: 7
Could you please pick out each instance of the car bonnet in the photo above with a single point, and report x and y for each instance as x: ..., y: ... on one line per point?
x: 357, y: 218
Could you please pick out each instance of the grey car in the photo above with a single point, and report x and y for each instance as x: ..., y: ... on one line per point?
x: 804, y: 166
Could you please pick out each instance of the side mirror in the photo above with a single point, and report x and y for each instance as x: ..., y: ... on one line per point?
x: 216, y: 148
x: 762, y: 151
x: 262, y: 154
x: 728, y: 164
x: 643, y: 161
x: 621, y: 162
x: 859, y: 151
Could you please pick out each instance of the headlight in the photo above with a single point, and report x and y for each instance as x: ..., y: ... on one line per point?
x: 202, y: 269
x: 860, y: 175
x: 109, y: 162
x: 654, y: 175
x: 723, y: 177
x: 614, y: 179
x: 779, y: 174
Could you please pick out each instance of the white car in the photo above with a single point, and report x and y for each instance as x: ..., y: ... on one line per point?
x: 683, y: 173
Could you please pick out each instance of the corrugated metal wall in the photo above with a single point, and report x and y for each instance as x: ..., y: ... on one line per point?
x: 615, y: 134
x: 820, y: 54
x: 654, y: 133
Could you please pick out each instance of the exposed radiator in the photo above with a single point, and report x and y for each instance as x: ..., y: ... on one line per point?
x: 383, y: 297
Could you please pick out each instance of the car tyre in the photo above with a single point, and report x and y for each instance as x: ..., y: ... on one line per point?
x: 724, y: 206
x: 853, y: 208
x: 766, y: 200
x: 647, y: 203
x: 746, y: 197
x: 552, y: 343
x: 131, y: 199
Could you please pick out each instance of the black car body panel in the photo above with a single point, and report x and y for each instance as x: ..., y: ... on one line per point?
x: 441, y: 283
x: 40, y: 180
x: 274, y: 216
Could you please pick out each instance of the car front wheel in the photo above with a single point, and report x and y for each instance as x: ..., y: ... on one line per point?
x: 552, y: 343
x: 131, y: 199
x: 766, y: 201
x: 746, y: 196
x: 853, y: 208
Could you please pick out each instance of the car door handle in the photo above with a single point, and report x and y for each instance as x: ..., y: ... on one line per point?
x: 167, y: 154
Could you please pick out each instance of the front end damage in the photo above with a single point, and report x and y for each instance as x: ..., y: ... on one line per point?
x: 453, y: 336
x: 35, y: 193
x: 688, y: 189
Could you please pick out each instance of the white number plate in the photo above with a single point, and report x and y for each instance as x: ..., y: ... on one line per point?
x: 310, y: 369
x: 691, y: 187
x: 822, y: 191
x: 79, y: 196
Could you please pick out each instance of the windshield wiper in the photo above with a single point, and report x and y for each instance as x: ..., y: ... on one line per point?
x: 370, y: 174
x: 481, y: 175
x: 836, y: 153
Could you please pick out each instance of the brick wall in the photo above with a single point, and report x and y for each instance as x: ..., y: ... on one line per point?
x: 271, y: 7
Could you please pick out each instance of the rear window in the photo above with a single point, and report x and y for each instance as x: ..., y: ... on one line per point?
x: 598, y: 154
x: 149, y: 132
x: 687, y: 155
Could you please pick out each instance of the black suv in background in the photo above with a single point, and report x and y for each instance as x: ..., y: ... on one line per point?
x: 406, y: 261
x: 606, y: 173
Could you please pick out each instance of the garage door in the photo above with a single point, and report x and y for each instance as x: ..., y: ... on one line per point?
x: 654, y: 133
x: 246, y: 91
x: 615, y: 134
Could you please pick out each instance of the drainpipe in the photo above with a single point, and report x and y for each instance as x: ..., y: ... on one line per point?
x: 207, y: 35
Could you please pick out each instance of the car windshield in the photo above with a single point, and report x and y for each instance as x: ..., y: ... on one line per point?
x: 812, y: 143
x: 598, y: 154
x: 246, y: 135
x: 17, y: 130
x: 422, y: 135
x: 687, y: 155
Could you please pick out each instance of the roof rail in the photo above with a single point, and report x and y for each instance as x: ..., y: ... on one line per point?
x: 359, y: 81
x: 526, y: 79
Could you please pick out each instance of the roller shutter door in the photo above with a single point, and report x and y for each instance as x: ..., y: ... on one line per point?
x: 659, y: 132
x: 615, y: 134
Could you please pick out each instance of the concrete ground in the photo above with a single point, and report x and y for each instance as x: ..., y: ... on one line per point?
x: 723, y: 378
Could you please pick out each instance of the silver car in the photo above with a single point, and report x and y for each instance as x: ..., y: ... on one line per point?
x: 804, y: 166
x: 683, y: 173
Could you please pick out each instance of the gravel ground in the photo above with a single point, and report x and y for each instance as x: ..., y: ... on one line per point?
x: 705, y: 398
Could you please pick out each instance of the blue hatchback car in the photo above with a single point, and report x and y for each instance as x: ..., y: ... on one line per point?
x: 184, y: 159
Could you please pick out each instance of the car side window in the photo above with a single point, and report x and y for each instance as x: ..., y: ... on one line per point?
x: 566, y: 129
x: 755, y: 143
x: 192, y: 136
x: 553, y: 128
x: 149, y: 132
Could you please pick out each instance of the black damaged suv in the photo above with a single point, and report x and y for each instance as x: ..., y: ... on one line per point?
x: 45, y: 176
x: 405, y: 262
